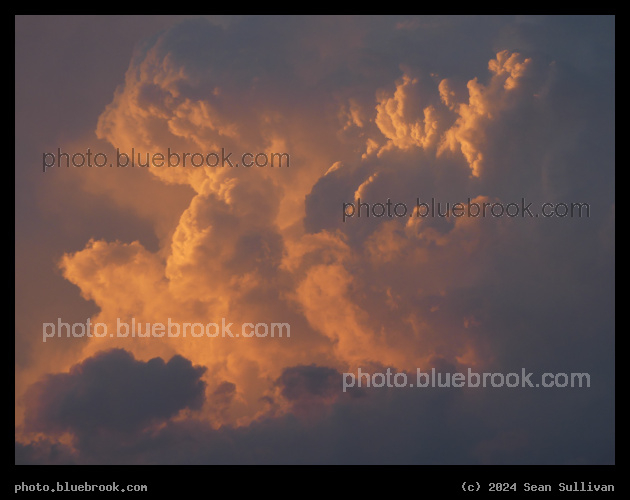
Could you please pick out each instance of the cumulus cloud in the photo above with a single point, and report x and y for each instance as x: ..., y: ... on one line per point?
x: 309, y: 381
x: 114, y: 391
x: 363, y: 115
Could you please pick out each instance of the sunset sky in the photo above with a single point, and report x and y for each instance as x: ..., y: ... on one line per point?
x: 487, y: 109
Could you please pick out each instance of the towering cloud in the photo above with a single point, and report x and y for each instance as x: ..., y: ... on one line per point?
x: 367, y: 111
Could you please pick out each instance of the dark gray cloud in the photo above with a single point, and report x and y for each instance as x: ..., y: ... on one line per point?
x: 388, y: 426
x: 44, y: 452
x: 113, y: 391
x: 299, y: 382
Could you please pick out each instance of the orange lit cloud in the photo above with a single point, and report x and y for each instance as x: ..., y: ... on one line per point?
x: 266, y: 245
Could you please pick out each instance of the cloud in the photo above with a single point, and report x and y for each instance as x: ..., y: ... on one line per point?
x: 304, y: 381
x: 484, y: 104
x: 395, y: 108
x: 44, y: 452
x: 113, y: 391
x: 404, y: 426
x: 232, y: 255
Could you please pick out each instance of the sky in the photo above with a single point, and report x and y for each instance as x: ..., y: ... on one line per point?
x: 459, y: 109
